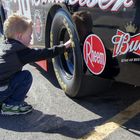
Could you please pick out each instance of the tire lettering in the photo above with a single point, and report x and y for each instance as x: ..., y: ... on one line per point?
x: 62, y: 84
x: 69, y: 32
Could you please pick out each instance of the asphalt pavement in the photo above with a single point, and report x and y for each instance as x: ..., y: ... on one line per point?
x: 58, y: 117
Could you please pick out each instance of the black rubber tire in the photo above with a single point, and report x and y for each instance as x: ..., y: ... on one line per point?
x: 69, y: 74
x: 2, y: 19
x: 1, y: 25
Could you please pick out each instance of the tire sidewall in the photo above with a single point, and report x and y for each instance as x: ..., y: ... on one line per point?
x: 70, y: 85
x: 2, y: 19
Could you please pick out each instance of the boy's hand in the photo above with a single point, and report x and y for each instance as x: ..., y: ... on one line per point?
x: 67, y: 44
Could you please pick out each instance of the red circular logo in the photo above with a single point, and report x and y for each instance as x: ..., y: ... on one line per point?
x: 94, y: 54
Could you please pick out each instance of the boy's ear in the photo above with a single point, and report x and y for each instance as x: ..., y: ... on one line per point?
x: 18, y: 36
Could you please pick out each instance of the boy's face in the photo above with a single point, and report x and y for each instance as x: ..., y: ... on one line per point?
x: 26, y: 37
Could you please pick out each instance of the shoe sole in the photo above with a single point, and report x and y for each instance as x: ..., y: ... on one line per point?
x: 15, y: 113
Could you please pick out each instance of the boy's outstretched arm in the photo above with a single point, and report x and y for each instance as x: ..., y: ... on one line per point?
x: 29, y: 55
x: 67, y: 44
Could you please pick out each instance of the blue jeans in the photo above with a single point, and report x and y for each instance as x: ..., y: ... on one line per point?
x: 18, y: 87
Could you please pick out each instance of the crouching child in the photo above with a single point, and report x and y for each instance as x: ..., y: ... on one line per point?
x: 14, y: 54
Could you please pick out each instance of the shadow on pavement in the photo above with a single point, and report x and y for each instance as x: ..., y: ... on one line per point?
x: 49, y: 75
x: 116, y: 99
x: 39, y: 122
x: 35, y: 121
x: 106, y: 104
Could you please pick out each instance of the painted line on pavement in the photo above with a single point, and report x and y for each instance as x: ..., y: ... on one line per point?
x: 104, y: 130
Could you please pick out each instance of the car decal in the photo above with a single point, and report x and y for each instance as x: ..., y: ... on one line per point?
x: 125, y: 43
x: 94, y: 54
x: 38, y: 25
x: 104, y: 5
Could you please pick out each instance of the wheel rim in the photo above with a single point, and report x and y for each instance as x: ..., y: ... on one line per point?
x: 67, y: 60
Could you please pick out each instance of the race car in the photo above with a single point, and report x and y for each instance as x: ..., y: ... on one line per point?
x: 104, y: 34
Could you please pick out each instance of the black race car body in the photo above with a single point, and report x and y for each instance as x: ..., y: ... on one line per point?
x: 109, y: 50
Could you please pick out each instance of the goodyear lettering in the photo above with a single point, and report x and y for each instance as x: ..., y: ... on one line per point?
x: 62, y: 84
x: 51, y: 39
x: 69, y: 32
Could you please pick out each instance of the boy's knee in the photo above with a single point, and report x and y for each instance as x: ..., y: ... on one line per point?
x: 28, y: 75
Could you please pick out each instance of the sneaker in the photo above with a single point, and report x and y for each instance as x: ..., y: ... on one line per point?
x: 15, y: 109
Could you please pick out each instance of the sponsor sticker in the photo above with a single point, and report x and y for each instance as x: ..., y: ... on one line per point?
x: 125, y: 43
x: 38, y: 25
x: 114, y: 5
x: 94, y: 54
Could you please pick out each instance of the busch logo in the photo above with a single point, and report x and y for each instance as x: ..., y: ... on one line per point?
x: 115, y: 5
x: 94, y: 54
x: 104, y: 4
x: 124, y: 43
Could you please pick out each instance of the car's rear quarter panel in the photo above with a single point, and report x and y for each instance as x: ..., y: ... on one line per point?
x: 105, y: 26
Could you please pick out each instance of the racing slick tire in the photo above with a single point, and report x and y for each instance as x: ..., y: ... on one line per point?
x: 68, y: 67
x: 2, y: 18
x: 1, y: 26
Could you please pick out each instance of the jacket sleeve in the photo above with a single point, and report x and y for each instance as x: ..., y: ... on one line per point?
x: 29, y: 55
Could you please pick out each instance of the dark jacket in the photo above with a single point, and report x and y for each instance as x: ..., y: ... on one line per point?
x: 14, y: 55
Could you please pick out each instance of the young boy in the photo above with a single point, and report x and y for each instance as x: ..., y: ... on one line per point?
x: 14, y: 54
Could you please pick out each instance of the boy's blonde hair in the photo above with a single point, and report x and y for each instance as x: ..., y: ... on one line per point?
x: 16, y: 24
